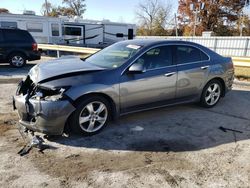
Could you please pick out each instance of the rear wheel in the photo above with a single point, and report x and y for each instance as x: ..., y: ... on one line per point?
x: 211, y: 94
x: 91, y: 116
x: 17, y: 60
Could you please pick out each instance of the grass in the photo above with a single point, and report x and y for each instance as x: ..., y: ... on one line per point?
x: 242, y: 73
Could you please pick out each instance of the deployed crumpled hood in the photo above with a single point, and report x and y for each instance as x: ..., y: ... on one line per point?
x: 60, y: 67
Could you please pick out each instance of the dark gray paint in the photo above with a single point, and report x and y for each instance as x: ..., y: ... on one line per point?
x: 129, y: 91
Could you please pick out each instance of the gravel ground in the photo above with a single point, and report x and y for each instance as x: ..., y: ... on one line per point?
x: 177, y: 146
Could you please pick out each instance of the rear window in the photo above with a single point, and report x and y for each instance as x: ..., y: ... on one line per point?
x: 189, y: 54
x: 17, y: 35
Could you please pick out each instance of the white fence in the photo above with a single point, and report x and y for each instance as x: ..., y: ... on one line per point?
x: 238, y: 61
x: 226, y: 46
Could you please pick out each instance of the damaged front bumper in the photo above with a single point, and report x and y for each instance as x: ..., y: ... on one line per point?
x: 48, y: 117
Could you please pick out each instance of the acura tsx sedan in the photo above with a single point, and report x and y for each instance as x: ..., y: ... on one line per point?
x: 128, y: 76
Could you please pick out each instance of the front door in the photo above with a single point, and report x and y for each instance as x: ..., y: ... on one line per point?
x: 153, y: 87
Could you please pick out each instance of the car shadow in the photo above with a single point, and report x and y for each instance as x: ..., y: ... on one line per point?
x: 178, y: 128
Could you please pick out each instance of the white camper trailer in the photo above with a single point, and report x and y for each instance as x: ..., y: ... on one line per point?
x: 69, y: 31
x: 82, y: 33
x: 92, y: 32
x: 43, y: 29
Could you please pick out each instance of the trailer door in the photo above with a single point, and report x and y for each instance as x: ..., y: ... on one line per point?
x: 55, y: 33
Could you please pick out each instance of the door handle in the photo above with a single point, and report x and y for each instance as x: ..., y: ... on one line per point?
x: 169, y: 74
x: 205, y: 67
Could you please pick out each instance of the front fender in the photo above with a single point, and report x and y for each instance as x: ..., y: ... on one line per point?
x: 112, y: 91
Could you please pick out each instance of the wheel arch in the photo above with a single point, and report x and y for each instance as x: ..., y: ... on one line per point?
x: 114, y: 112
x: 17, y: 51
x: 222, y: 82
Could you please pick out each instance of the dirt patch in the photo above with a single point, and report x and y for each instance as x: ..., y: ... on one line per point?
x: 7, y: 122
x: 243, y: 78
x: 173, y: 147
x: 81, y: 166
x: 10, y: 81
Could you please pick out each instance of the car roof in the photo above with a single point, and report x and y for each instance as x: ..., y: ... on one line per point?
x: 147, y: 43
x: 10, y: 28
x: 150, y: 42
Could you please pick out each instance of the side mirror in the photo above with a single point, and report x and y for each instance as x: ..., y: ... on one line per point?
x: 136, y: 68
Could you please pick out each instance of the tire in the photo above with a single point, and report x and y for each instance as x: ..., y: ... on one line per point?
x: 211, y: 94
x: 87, y: 110
x: 17, y: 60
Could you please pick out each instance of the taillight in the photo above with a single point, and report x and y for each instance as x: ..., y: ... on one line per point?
x: 34, y: 47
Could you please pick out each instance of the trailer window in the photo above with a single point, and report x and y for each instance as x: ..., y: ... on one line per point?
x: 74, y: 31
x: 8, y: 24
x: 55, y: 29
x: 35, y: 27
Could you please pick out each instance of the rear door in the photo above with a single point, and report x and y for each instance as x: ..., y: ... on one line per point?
x: 193, y: 67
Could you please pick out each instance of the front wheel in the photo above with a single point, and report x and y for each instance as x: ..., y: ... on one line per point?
x: 91, y: 116
x: 211, y: 94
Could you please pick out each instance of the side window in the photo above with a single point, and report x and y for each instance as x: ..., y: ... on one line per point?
x: 17, y: 35
x: 204, y: 57
x: 8, y: 24
x: 74, y: 31
x: 35, y: 27
x: 187, y: 54
x: 156, y: 58
x: 55, y: 29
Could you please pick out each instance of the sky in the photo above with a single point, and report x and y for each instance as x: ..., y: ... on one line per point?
x: 113, y: 10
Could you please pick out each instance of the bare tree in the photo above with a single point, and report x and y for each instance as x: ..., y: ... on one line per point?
x: 46, y: 8
x: 4, y: 10
x: 152, y: 16
x: 71, y: 8
x: 78, y: 7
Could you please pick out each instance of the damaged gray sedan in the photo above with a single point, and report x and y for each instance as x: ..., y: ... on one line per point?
x: 129, y: 76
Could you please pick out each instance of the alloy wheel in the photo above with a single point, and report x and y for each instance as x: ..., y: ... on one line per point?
x: 93, y: 116
x: 17, y: 61
x: 213, y: 94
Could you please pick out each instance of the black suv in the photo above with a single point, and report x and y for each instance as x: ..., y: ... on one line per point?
x: 17, y: 46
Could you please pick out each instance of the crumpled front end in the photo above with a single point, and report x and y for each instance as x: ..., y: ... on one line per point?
x: 40, y: 109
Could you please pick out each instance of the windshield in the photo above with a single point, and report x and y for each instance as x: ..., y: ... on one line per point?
x: 114, y: 56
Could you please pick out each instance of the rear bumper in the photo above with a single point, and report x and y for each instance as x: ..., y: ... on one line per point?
x: 229, y: 81
x: 48, y: 117
x: 35, y: 55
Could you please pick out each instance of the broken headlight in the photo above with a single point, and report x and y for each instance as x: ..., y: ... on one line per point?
x: 50, y: 94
